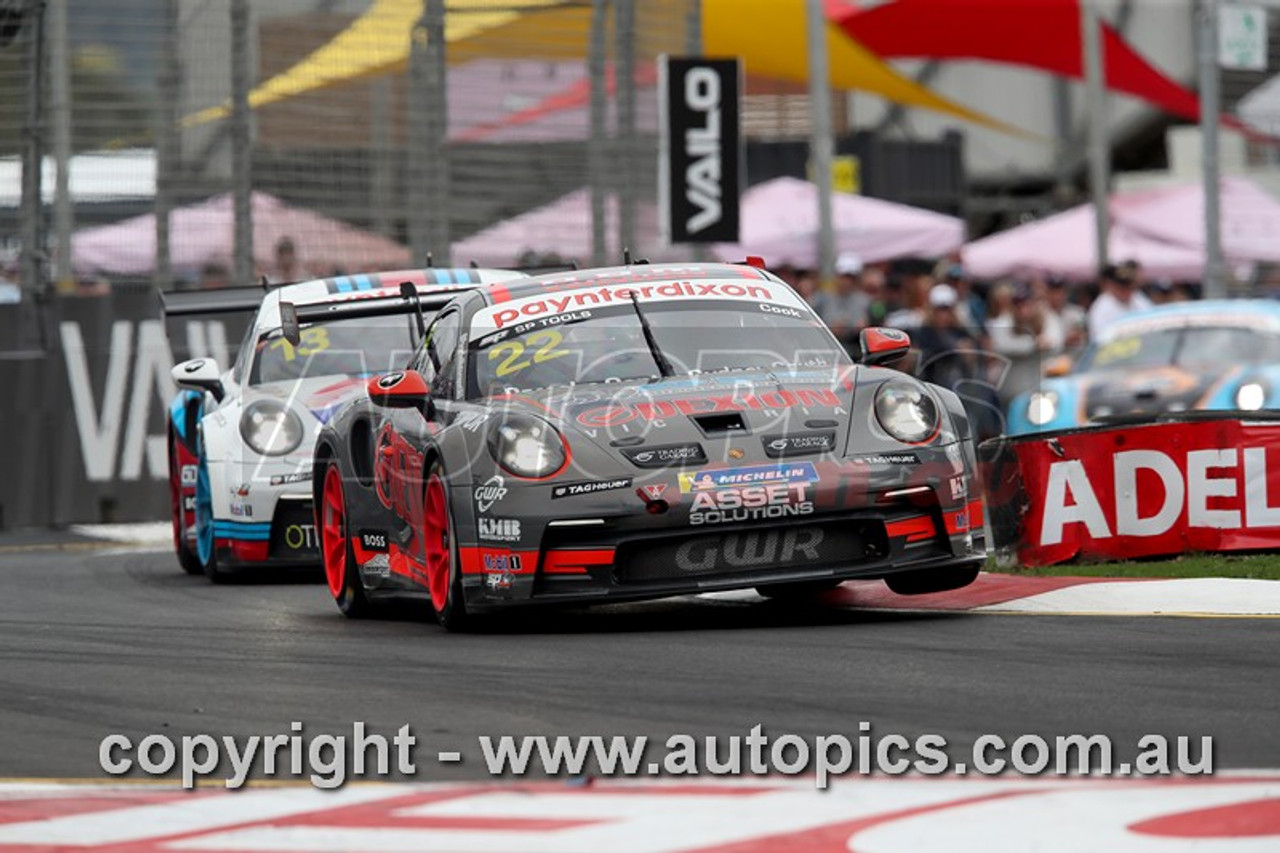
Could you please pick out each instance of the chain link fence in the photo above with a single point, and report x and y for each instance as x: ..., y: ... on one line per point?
x: 212, y: 142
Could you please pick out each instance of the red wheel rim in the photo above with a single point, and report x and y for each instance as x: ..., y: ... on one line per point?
x: 332, y: 532
x: 435, y: 540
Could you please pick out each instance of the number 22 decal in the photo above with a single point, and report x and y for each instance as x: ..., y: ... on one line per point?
x: 509, y: 354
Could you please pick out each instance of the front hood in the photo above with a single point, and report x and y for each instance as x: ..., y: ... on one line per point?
x: 322, y: 396
x: 729, y: 416
x: 1145, y: 392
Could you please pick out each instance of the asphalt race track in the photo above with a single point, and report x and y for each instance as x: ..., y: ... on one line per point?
x: 98, y: 640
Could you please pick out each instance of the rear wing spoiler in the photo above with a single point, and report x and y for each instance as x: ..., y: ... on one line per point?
x: 410, y: 301
x: 223, y: 300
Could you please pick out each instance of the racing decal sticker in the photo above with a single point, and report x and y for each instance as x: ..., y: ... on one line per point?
x: 736, y: 453
x: 615, y: 414
x: 290, y: 479
x: 391, y: 380
x: 495, y: 562
x: 242, y: 509
x: 395, y: 474
x: 749, y: 494
x: 797, y: 444
x: 753, y: 550
x: 193, y: 366
x: 752, y: 475
x: 545, y: 304
x: 301, y: 537
x: 188, y: 475
x: 374, y: 540
x: 490, y: 492
x: 652, y: 492
x: 664, y: 455
x: 572, y: 490
x: 887, y: 459
x: 750, y: 503
x: 188, y: 503
x: 498, y: 529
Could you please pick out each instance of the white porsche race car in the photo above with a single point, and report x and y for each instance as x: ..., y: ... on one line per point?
x: 241, y: 440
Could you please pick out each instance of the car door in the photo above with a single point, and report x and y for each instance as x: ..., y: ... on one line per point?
x: 402, y: 437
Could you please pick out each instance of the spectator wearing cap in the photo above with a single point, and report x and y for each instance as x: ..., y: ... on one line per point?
x: 970, y: 307
x: 1160, y: 291
x: 1119, y: 296
x: 845, y: 308
x: 948, y: 351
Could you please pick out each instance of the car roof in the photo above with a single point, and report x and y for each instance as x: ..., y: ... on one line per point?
x: 1260, y: 314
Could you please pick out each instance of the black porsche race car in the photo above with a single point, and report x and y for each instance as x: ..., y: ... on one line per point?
x: 638, y: 432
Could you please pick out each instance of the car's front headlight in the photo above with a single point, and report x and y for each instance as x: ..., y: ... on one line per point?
x: 1042, y: 407
x: 270, y: 427
x: 1251, y: 396
x: 906, y: 411
x: 527, y: 447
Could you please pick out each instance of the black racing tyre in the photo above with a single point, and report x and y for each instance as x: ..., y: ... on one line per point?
x: 924, y: 581
x: 340, y: 570
x: 440, y: 552
x: 187, y: 559
x: 797, y: 589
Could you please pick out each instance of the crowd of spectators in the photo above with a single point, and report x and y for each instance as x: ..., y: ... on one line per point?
x: 997, y: 335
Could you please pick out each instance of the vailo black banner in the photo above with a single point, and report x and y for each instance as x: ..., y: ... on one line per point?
x: 699, y: 168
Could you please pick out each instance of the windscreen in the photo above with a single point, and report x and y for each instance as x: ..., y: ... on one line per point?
x: 604, y: 340
x: 356, y: 347
x: 1191, y: 347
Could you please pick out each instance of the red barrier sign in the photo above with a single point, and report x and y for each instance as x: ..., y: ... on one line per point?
x: 1141, y: 491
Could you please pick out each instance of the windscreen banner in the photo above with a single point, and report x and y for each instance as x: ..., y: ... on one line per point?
x: 1185, y: 484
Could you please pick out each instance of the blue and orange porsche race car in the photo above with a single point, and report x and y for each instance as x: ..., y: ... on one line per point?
x: 1213, y: 355
x: 637, y: 432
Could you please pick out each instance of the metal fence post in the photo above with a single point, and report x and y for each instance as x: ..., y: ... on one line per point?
x: 59, y: 69
x: 1099, y: 138
x: 1214, y: 285
x: 596, y: 145
x: 821, y: 143
x: 624, y: 26
x: 167, y: 138
x: 437, y: 127
x: 428, y: 197
x: 33, y: 253
x: 166, y: 143
x: 241, y: 142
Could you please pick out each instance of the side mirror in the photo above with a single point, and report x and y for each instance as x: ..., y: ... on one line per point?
x: 290, y: 328
x: 404, y: 389
x: 882, y: 345
x: 200, y: 374
x: 1059, y: 365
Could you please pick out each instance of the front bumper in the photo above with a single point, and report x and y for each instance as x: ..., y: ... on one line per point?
x: 614, y: 562
x: 289, y: 538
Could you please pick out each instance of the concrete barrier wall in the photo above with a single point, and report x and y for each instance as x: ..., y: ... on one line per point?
x: 84, y: 386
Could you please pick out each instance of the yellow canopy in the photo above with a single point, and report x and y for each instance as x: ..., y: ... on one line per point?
x: 769, y: 35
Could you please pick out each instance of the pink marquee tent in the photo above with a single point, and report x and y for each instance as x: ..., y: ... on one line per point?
x: 203, y: 233
x: 780, y: 224
x: 1162, y: 228
x: 563, y: 227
